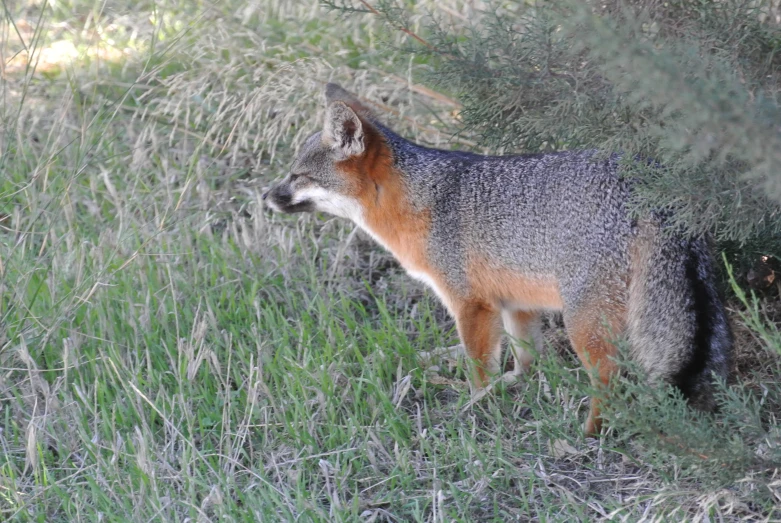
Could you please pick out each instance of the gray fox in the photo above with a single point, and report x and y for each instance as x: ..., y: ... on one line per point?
x: 502, y: 239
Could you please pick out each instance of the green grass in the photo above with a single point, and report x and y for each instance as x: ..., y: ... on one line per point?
x: 170, y: 352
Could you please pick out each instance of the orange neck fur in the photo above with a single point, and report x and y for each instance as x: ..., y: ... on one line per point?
x: 384, y: 198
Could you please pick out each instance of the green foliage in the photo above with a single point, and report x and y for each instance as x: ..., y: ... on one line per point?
x: 742, y: 441
x: 692, y: 85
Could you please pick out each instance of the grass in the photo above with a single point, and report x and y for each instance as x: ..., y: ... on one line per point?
x: 170, y: 352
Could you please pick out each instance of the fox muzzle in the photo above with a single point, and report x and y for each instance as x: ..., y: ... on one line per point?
x: 280, y: 198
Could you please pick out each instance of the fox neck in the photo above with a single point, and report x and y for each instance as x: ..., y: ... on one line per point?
x: 389, y: 211
x: 391, y: 219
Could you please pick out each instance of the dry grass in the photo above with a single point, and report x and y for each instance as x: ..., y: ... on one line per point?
x: 169, y: 352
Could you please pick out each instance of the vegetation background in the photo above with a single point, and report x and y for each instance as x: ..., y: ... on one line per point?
x: 170, y: 352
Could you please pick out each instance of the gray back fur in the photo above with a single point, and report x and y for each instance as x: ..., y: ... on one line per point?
x: 559, y: 216
x: 565, y: 215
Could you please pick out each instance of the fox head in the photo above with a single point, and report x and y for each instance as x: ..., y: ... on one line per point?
x: 339, y: 167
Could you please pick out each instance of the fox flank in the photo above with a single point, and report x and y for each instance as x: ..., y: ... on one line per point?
x: 503, y: 239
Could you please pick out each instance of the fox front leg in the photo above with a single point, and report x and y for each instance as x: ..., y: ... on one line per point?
x: 480, y: 328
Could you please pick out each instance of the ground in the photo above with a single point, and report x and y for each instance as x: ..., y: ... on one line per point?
x: 171, y: 352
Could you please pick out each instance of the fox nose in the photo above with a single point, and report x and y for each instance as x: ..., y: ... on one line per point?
x: 265, y: 195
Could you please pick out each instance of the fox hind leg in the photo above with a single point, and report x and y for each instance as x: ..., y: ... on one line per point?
x: 591, y: 331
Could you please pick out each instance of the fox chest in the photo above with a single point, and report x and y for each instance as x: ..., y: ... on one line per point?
x: 432, y: 283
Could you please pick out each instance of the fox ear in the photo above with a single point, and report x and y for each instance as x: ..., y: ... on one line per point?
x: 335, y: 93
x: 343, y: 129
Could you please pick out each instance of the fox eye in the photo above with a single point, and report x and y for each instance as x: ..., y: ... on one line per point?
x: 302, y: 178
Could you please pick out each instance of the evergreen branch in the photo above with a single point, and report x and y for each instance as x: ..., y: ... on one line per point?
x: 371, y: 9
x: 344, y: 8
x: 400, y: 27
